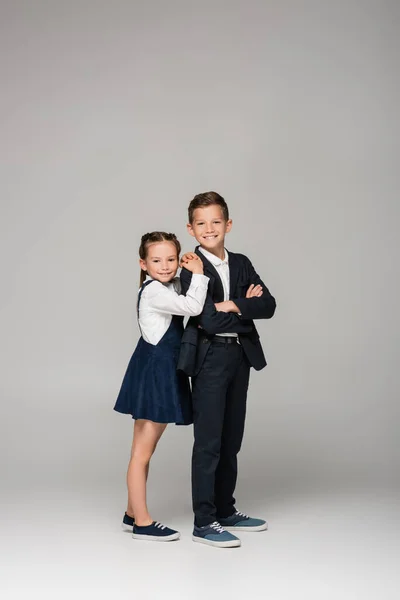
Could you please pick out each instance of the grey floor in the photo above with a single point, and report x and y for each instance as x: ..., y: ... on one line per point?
x: 68, y: 543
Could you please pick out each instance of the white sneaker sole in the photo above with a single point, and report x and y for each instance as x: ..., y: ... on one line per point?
x: 229, y: 544
x: 244, y: 528
x: 155, y: 538
x: 127, y: 528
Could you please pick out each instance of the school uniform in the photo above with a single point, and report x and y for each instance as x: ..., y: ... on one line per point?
x: 152, y: 387
x: 217, y: 351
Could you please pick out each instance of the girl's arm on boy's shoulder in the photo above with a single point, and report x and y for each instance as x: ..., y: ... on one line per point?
x: 164, y: 300
x: 262, y: 307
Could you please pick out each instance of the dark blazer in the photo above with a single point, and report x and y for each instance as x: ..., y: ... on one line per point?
x: 194, y: 347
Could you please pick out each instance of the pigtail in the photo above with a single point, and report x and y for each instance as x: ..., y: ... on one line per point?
x: 142, y: 277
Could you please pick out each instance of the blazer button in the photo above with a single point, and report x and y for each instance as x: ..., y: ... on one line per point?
x: 205, y: 340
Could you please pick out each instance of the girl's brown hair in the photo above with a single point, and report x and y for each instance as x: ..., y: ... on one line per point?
x: 152, y: 238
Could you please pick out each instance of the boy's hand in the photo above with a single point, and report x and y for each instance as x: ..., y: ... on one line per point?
x: 254, y: 291
x: 192, y: 263
x: 227, y: 306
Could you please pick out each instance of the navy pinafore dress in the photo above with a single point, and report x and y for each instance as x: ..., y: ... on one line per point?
x: 152, y: 388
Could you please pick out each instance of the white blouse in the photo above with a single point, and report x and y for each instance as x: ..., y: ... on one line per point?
x: 159, y: 301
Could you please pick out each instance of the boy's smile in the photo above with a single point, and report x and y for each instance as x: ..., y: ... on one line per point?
x: 209, y: 228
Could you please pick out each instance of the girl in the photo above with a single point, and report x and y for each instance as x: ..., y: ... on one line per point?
x: 153, y: 391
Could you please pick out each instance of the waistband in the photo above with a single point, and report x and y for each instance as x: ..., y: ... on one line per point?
x: 221, y: 340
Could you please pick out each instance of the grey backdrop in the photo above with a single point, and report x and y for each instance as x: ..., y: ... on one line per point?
x: 113, y: 116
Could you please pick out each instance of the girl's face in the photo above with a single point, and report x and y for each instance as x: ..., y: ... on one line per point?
x: 161, y: 262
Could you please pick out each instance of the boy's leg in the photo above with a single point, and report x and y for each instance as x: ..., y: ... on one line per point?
x: 209, y: 390
x: 232, y: 435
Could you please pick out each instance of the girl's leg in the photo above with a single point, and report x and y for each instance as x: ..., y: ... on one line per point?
x: 129, y: 509
x: 146, y: 435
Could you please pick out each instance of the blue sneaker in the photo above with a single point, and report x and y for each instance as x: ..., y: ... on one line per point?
x: 215, y: 535
x: 156, y: 532
x: 127, y: 523
x: 241, y: 522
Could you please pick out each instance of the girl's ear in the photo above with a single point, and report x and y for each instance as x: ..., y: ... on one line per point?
x: 142, y: 264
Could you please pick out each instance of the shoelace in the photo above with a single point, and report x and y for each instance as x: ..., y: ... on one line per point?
x: 240, y: 514
x: 217, y: 527
x: 159, y: 525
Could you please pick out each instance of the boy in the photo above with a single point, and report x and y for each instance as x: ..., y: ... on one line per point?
x: 218, y: 348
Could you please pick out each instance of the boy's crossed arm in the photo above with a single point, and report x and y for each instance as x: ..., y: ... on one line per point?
x: 254, y: 291
x: 224, y: 316
x: 211, y: 320
x: 255, y: 306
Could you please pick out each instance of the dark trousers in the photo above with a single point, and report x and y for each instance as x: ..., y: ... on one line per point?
x: 219, y: 409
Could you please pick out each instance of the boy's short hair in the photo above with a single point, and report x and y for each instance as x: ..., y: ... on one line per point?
x: 207, y: 199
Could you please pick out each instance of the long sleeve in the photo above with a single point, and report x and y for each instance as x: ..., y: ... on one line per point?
x: 256, y: 308
x: 161, y: 299
x: 210, y: 319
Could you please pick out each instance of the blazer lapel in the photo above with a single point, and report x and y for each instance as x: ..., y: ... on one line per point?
x: 216, y: 288
x: 234, y: 268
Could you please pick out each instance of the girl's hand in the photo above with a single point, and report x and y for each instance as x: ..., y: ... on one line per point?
x: 195, y: 265
x: 186, y: 257
x: 254, y: 291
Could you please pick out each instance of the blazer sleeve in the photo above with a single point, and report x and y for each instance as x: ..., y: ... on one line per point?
x: 256, y: 308
x: 210, y: 319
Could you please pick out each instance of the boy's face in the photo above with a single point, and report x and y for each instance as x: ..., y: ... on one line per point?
x: 209, y: 227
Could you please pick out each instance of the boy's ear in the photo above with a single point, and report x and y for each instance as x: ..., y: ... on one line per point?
x: 142, y: 264
x: 190, y: 229
x: 229, y: 224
